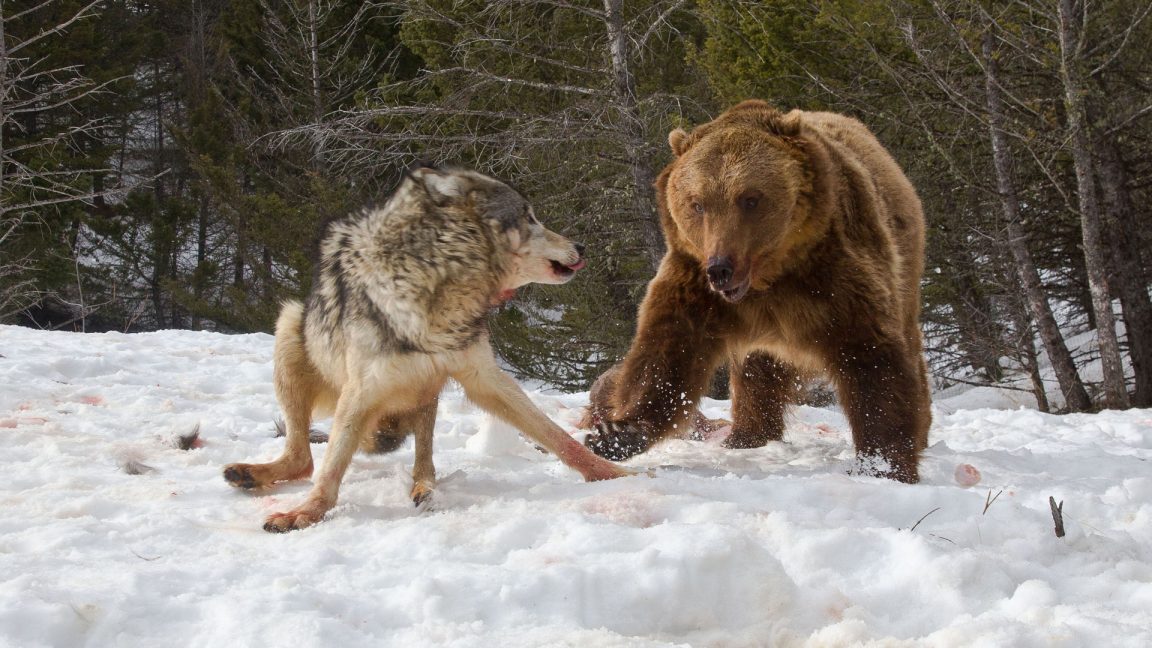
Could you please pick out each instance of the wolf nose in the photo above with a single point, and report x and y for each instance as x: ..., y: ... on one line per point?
x: 719, y: 272
x: 579, y: 248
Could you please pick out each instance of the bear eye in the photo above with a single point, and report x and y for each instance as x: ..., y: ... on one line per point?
x: 749, y: 202
x: 698, y: 208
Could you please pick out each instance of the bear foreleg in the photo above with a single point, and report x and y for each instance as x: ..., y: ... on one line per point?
x: 655, y: 389
x: 883, y: 397
x: 761, y: 388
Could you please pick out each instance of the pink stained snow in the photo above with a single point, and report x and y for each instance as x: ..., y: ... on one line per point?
x: 777, y: 546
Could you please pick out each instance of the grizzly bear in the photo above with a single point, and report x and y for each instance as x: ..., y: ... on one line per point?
x: 795, y: 246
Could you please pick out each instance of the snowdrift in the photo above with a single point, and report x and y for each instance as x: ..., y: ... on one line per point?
x: 779, y: 546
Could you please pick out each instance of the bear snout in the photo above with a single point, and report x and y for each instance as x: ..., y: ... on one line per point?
x: 720, y: 272
x: 726, y: 279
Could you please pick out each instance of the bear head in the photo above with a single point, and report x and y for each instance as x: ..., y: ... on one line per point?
x: 737, y: 196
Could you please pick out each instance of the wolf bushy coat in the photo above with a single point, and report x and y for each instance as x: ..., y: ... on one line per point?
x: 399, y: 306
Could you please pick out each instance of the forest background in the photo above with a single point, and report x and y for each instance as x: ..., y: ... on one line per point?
x: 171, y: 164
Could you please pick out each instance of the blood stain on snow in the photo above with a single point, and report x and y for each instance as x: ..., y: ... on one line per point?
x: 824, y: 428
x: 622, y: 508
x: 23, y: 420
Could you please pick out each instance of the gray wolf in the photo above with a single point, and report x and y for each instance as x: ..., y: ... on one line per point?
x: 399, y: 306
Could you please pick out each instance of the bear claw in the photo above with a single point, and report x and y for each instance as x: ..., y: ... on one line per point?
x: 618, y: 440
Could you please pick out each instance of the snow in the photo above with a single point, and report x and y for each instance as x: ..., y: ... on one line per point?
x: 777, y: 546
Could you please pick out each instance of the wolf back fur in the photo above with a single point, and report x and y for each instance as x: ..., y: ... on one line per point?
x: 399, y: 305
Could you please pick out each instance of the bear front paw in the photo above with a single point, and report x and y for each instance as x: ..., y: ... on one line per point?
x: 619, y: 440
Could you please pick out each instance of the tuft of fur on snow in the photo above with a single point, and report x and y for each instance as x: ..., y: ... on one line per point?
x: 314, y: 435
x: 133, y: 466
x: 189, y: 440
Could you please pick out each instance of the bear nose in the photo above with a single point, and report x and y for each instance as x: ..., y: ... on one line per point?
x: 719, y: 272
x: 579, y: 248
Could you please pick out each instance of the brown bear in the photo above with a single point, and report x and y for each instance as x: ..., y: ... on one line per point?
x: 795, y: 246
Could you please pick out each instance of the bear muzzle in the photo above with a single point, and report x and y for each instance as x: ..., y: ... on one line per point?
x: 723, y: 278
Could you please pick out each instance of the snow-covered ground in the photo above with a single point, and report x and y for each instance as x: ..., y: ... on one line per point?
x: 777, y: 546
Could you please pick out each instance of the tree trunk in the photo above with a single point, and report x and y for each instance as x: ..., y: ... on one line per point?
x: 981, y: 336
x: 198, y: 279
x: 314, y: 73
x: 1026, y: 347
x: 979, y: 332
x: 160, y: 239
x: 1095, y: 255
x: 1075, y: 396
x: 1128, y: 276
x: 643, y: 176
x: 238, y: 259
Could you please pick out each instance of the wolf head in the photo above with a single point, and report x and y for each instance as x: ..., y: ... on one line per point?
x: 538, y: 255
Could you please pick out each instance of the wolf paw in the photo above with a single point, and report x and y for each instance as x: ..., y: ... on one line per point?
x: 240, y: 476
x: 296, y: 519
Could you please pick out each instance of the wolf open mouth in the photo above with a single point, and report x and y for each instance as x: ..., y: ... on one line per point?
x: 566, y: 270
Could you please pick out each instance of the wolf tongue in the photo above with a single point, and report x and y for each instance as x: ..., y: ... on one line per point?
x: 579, y: 264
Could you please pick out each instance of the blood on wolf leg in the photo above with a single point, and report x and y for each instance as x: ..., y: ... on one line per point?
x: 579, y: 458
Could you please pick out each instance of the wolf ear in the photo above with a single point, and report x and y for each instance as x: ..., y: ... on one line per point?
x: 676, y: 141
x: 514, y: 238
x: 442, y: 186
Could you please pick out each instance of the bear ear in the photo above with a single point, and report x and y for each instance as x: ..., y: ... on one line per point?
x: 788, y: 124
x: 751, y: 104
x: 676, y: 141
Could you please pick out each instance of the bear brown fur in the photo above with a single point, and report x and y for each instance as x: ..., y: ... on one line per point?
x: 795, y: 247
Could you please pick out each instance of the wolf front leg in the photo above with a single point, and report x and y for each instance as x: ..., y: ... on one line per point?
x: 498, y: 394
x: 679, y: 343
x: 356, y: 414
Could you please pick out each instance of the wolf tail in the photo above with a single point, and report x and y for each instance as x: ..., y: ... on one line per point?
x: 293, y: 366
x: 291, y: 320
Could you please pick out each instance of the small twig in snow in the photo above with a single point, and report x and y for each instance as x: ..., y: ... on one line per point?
x: 990, y: 499
x: 922, y: 519
x: 1057, y: 515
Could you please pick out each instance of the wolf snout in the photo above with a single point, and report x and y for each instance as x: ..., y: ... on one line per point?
x: 573, y: 264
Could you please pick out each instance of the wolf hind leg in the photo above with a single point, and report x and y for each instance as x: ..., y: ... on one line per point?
x: 298, y: 387
x: 390, y: 434
x: 422, y: 423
